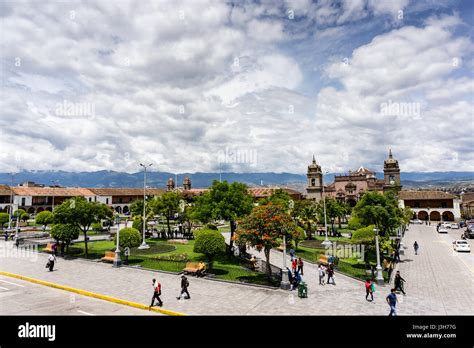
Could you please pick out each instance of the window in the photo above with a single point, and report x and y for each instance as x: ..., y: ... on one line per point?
x: 23, y: 201
x: 313, y: 182
x: 90, y: 199
x: 444, y: 204
x: 391, y: 180
x: 106, y: 201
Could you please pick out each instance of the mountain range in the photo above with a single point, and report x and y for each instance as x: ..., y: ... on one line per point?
x: 158, y: 179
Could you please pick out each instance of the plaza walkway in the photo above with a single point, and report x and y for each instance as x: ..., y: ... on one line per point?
x: 439, y: 280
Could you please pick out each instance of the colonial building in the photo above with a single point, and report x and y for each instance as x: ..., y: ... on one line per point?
x: 467, y: 205
x: 431, y: 205
x: 349, y: 188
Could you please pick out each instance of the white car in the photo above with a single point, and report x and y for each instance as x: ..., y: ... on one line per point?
x: 417, y: 221
x: 454, y: 226
x: 442, y: 229
x: 461, y: 245
x: 446, y: 225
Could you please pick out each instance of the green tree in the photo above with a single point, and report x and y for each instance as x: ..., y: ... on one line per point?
x: 278, y: 197
x: 18, y: 213
x: 44, y: 218
x: 380, y: 210
x: 136, y: 208
x: 224, y: 201
x: 82, y: 214
x: 334, y: 209
x: 298, y: 236
x: 24, y: 217
x: 264, y: 228
x: 65, y: 233
x: 211, y: 243
x: 167, y: 205
x: 4, y: 218
x: 129, y: 238
x: 308, y: 216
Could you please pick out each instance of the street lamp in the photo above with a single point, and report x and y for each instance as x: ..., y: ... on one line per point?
x: 117, y: 260
x: 285, y: 283
x: 379, y: 278
x: 144, y: 245
x: 326, y: 241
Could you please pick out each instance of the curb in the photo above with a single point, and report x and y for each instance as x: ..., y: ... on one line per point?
x: 92, y: 294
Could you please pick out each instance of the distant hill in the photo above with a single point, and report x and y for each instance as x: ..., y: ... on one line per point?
x: 158, y: 179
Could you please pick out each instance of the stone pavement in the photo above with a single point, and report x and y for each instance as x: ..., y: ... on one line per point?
x: 20, y: 297
x: 439, y: 281
x: 222, y: 298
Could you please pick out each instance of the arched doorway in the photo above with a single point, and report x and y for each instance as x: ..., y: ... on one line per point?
x: 31, y: 210
x: 40, y: 210
x: 448, y: 216
x: 125, y: 210
x: 49, y: 209
x: 423, y: 215
x: 435, y: 216
x: 351, y: 202
x: 118, y: 209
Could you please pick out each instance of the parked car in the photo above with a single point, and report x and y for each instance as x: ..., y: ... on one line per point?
x: 461, y: 245
x: 454, y: 226
x: 417, y: 221
x: 442, y: 229
x: 446, y: 225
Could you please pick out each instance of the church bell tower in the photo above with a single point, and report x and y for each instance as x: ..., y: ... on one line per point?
x: 315, y: 182
x: 391, y: 173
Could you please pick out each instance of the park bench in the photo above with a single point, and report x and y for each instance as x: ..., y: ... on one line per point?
x: 49, y: 248
x: 323, y: 259
x: 109, y: 256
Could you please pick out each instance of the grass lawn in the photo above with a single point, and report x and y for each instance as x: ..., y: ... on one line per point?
x: 170, y: 257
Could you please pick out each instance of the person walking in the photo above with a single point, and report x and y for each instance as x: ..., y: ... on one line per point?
x: 397, y: 255
x: 369, y: 289
x: 321, y: 274
x: 292, y: 254
x: 330, y: 271
x: 55, y: 249
x: 51, y: 260
x: 184, y: 288
x: 300, y: 265
x: 5, y: 234
x: 392, y: 302
x: 416, y: 247
x: 156, y: 293
x: 399, y: 282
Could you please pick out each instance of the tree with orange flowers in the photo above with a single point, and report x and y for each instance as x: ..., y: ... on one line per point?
x: 264, y: 228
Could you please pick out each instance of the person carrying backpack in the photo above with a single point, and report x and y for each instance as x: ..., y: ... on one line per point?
x: 184, y: 288
x: 156, y: 293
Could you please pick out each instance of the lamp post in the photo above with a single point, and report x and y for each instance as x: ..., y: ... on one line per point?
x: 379, y: 278
x: 285, y: 283
x: 117, y: 260
x: 326, y: 241
x: 144, y: 245
x: 54, y: 182
x: 11, y: 206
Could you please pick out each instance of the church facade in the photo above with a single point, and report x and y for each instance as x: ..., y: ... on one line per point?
x: 349, y: 188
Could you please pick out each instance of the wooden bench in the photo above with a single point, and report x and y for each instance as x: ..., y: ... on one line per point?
x: 109, y: 256
x: 195, y: 268
x: 49, y: 248
x: 324, y: 259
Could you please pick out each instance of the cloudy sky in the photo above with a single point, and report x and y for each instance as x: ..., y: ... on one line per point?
x: 244, y: 86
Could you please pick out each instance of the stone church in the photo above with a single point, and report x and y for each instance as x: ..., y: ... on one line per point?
x: 349, y: 188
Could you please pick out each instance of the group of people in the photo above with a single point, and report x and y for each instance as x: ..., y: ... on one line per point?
x: 157, y: 291
x: 296, y: 272
x: 329, y: 270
